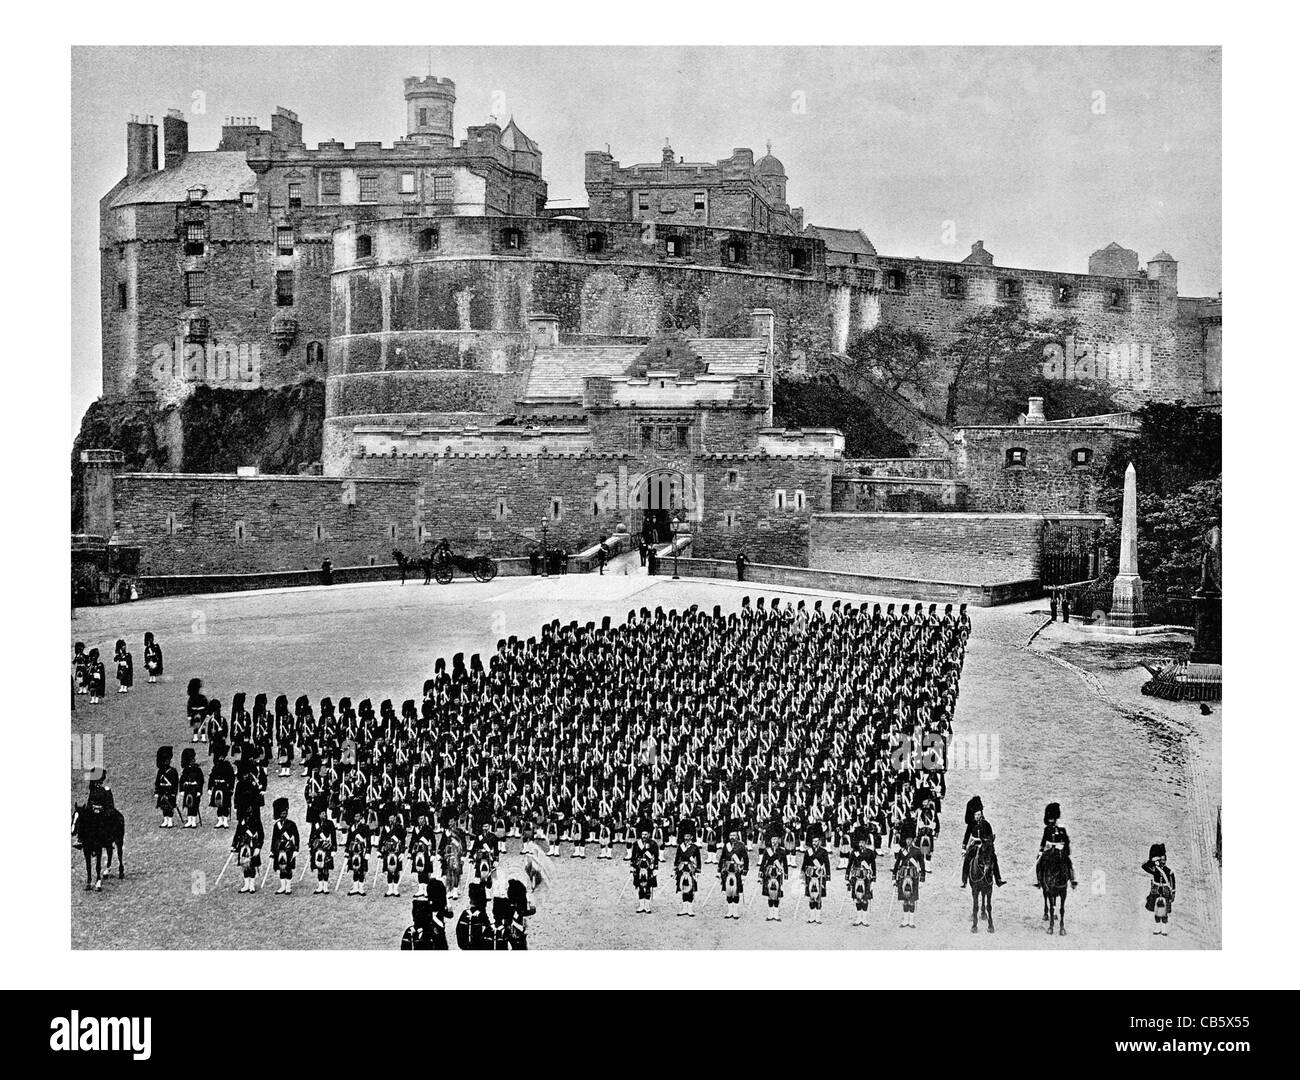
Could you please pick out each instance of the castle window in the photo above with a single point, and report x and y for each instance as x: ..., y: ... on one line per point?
x: 171, y: 524
x: 798, y: 499
x: 512, y: 239
x: 368, y: 190
x: 647, y: 437
x: 196, y: 288
x: 295, y: 196
x: 729, y: 519
x: 733, y: 478
x: 284, y: 241
x: 330, y: 185
x: 1016, y: 457
x: 249, y: 199
x: 365, y: 247
x: 239, y: 532
x: 315, y: 353
x: 320, y: 533
x: 284, y: 288
x: 643, y: 200
x: 1081, y: 455
x: 121, y: 296
x: 1065, y: 293
x: 675, y: 247
x: 683, y: 437
x: 429, y: 240
x: 799, y: 259
x: 421, y: 117
x: 954, y: 286
x: 699, y: 201
x: 501, y: 509
x: 1010, y: 289
x: 556, y: 509
x: 1115, y: 298
x: 195, y: 234
x: 595, y: 243
x: 895, y: 281
x: 868, y: 276
x: 406, y: 183
x: 392, y: 532
x: 442, y: 189
x: 733, y: 251
x: 778, y: 499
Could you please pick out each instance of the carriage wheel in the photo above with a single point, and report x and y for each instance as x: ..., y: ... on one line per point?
x: 485, y: 569
x: 443, y: 574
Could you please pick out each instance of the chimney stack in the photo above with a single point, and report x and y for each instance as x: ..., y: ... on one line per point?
x: 176, y: 138
x: 141, y: 147
x: 1035, y: 414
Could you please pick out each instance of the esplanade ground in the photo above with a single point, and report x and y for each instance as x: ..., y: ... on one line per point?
x: 1051, y: 716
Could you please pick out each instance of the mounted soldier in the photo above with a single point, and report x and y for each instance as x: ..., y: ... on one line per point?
x: 978, y: 831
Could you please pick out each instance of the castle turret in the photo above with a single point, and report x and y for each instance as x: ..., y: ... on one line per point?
x: 141, y: 147
x: 430, y: 110
x: 1164, y: 269
x: 176, y: 138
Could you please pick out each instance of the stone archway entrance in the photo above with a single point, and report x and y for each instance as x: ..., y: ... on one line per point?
x: 653, y: 498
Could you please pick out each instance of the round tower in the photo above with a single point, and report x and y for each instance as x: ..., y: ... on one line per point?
x: 430, y: 109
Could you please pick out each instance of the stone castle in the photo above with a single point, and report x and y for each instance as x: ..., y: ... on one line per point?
x: 493, y: 363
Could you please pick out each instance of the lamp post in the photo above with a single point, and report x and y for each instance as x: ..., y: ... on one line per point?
x: 546, y: 571
x: 676, y: 524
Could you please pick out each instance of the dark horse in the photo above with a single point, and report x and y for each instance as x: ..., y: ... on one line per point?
x: 981, y: 886
x: 1054, y: 880
x: 96, y: 833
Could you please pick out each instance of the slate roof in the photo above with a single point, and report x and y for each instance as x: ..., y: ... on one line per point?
x: 559, y: 373
x: 224, y: 173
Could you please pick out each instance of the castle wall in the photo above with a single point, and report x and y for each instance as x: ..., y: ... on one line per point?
x: 220, y: 524
x: 962, y: 547
x: 465, y: 305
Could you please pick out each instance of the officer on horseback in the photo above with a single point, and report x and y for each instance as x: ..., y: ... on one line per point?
x: 978, y: 831
x: 99, y: 796
x: 1055, y: 836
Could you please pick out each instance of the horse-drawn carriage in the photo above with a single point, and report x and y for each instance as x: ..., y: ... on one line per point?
x: 446, y: 563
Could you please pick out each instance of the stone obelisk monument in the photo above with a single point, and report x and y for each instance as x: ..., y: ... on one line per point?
x: 1127, y: 609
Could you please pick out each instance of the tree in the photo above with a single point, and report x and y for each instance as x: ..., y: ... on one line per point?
x: 995, y: 361
x: 1178, y: 456
x: 901, y: 358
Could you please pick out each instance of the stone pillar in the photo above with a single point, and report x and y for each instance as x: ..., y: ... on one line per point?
x: 1209, y: 604
x: 101, y: 466
x: 1127, y: 608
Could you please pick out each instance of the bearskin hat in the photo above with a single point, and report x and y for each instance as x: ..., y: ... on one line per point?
x: 218, y: 747
x: 421, y: 911
x: 97, y: 776
x: 148, y: 637
x: 437, y: 893
x: 816, y: 832
x: 1052, y: 813
x: 1157, y: 851
x: 477, y: 895
x: 187, y: 756
x: 280, y: 806
x: 975, y: 803
x: 517, y: 894
x: 193, y: 687
x: 501, y: 908
x: 686, y: 829
x: 164, y: 756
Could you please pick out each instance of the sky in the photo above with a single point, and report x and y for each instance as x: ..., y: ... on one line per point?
x: 1044, y: 154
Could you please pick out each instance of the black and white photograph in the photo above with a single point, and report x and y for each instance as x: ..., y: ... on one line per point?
x: 658, y: 503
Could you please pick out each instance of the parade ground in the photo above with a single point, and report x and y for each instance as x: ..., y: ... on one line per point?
x: 1045, y: 714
